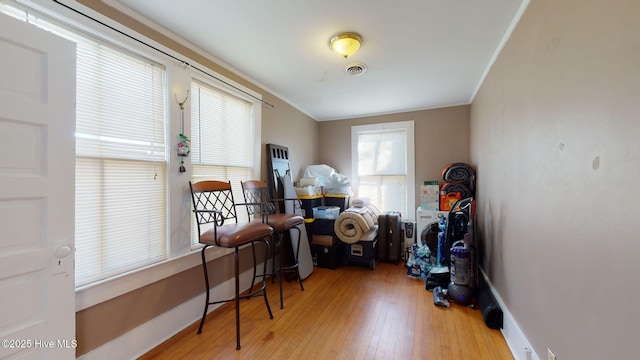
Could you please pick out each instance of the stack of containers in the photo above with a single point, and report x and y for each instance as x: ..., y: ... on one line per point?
x: 459, y: 183
x: 320, y: 210
x: 325, y: 247
x: 307, y: 203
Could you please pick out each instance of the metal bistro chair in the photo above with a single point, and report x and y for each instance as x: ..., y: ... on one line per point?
x: 256, y: 191
x: 216, y: 216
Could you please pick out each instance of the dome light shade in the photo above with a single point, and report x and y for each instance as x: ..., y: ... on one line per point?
x: 345, y: 44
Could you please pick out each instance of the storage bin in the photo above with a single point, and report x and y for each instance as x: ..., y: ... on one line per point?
x: 308, y: 202
x: 326, y: 212
x: 339, y: 200
x: 308, y: 190
x: 308, y: 223
x: 362, y: 252
x: 324, y: 227
x: 325, y: 256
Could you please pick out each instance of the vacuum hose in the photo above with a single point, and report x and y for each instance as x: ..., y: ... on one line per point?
x: 491, y: 312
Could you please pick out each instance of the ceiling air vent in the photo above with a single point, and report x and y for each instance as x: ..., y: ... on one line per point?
x: 355, y: 68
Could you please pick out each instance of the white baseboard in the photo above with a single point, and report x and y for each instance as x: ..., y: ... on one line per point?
x: 147, y: 336
x: 516, y: 340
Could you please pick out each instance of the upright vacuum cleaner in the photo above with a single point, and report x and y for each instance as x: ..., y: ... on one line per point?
x: 460, y: 247
x: 439, y: 274
x: 455, y: 268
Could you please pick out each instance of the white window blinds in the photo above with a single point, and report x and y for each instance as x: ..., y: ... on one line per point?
x: 220, y: 128
x: 383, y: 165
x: 222, y: 141
x: 382, y: 153
x: 120, y: 162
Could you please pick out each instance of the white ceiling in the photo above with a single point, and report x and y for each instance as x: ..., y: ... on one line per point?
x: 420, y: 54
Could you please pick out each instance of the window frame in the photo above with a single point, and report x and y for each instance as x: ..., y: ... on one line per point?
x: 256, y: 129
x: 407, y: 126
x: 101, y: 154
x: 180, y: 255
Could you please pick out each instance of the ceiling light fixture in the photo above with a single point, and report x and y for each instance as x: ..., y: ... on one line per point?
x: 345, y: 44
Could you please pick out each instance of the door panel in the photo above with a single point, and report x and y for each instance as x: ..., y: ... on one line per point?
x: 37, y: 157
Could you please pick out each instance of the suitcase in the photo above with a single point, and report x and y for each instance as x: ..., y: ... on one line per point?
x: 390, y: 236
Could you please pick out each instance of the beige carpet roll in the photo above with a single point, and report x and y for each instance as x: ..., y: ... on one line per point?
x: 354, y: 222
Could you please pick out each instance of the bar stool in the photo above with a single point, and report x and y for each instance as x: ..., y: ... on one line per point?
x: 213, y: 206
x: 256, y: 191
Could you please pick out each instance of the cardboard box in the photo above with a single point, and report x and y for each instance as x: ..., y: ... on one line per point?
x: 430, y: 195
x: 323, y: 240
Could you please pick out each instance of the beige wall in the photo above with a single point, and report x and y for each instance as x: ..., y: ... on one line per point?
x: 101, y: 323
x: 286, y: 126
x: 555, y: 135
x: 441, y: 137
x: 106, y: 321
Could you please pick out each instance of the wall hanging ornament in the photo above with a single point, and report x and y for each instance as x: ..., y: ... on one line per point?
x: 183, y: 141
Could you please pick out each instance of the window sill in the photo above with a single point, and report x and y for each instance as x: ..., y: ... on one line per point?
x: 99, y: 292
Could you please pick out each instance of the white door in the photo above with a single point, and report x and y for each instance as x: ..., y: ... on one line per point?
x: 37, y: 164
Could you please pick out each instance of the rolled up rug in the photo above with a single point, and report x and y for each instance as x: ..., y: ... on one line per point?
x: 459, y: 173
x: 353, y: 223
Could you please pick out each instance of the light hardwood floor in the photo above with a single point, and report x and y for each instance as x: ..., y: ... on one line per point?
x: 348, y: 313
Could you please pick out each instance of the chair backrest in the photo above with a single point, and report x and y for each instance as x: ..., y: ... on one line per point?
x: 256, y: 191
x: 213, y: 195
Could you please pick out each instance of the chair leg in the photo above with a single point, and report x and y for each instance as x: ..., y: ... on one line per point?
x: 277, y: 244
x: 297, y: 256
x: 206, y: 291
x: 253, y: 279
x: 292, y: 268
x: 281, y: 269
x: 237, y: 299
x: 267, y: 252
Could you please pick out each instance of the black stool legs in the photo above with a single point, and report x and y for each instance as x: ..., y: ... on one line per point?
x: 292, y: 268
x: 237, y: 297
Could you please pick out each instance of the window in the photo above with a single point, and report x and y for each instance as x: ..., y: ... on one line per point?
x: 131, y: 228
x: 222, y: 139
x: 383, y: 165
x: 120, y: 162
